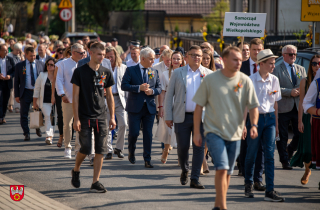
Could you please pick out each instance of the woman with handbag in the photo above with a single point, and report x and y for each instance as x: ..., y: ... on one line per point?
x: 42, y: 98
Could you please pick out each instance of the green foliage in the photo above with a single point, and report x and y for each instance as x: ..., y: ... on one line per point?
x: 176, y: 28
x: 216, y: 18
x: 298, y: 35
x: 100, y: 8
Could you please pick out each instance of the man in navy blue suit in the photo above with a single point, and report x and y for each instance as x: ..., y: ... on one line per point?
x: 7, y: 66
x: 26, y: 74
x: 143, y: 84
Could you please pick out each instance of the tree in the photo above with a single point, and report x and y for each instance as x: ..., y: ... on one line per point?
x: 100, y: 8
x: 216, y: 18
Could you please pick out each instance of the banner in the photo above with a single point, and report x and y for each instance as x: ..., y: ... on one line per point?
x: 244, y: 24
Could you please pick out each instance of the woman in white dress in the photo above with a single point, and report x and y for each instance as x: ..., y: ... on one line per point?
x: 165, y: 134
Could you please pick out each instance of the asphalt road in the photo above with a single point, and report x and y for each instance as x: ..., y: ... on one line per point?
x: 42, y: 168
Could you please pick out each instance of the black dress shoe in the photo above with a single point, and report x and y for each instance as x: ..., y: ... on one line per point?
x: 184, y: 178
x: 27, y: 137
x: 38, y: 132
x: 147, y: 164
x: 118, y: 152
x: 290, y: 153
x: 132, y: 158
x: 196, y: 184
x: 259, y: 186
x: 286, y: 166
x: 108, y: 156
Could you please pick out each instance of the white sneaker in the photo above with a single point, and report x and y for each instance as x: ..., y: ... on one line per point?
x: 67, y: 153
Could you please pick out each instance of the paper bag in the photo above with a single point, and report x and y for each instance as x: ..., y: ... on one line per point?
x: 36, y: 119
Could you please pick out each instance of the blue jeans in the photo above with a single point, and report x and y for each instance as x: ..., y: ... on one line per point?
x: 224, y: 153
x: 266, y: 137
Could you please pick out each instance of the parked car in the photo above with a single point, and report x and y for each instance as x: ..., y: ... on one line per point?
x: 75, y: 36
x: 303, y: 58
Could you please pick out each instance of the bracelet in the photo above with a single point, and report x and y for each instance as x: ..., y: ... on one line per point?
x: 317, y: 112
x: 160, y: 106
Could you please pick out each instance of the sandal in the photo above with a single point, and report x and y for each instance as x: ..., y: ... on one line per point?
x: 305, y: 178
x: 164, y: 156
x: 59, y: 144
x: 49, y: 140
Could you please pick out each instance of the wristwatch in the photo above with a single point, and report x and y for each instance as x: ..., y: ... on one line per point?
x: 62, y: 95
x: 254, y: 125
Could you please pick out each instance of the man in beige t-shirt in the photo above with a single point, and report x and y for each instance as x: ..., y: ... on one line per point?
x: 225, y: 95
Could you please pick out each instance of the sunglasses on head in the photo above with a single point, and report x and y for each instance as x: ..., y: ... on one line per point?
x: 315, y: 63
x: 292, y: 54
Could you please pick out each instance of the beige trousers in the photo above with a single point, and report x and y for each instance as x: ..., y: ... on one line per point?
x: 67, y: 113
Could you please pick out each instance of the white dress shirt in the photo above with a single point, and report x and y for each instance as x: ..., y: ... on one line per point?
x: 132, y: 63
x: 252, y: 66
x: 141, y: 70
x: 3, y: 66
x: 28, y: 74
x: 114, y: 87
x: 64, y: 75
x: 43, y: 59
x: 264, y: 89
x: 156, y: 61
x: 289, y: 68
x: 310, y: 97
x: 193, y: 83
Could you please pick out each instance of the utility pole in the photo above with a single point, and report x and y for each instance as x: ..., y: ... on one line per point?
x: 73, y: 19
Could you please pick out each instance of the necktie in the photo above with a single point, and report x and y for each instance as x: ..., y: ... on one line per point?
x: 255, y: 68
x: 293, y: 76
x: 32, y: 75
x: 145, y: 79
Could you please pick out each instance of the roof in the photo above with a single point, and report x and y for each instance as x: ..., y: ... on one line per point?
x: 181, y: 7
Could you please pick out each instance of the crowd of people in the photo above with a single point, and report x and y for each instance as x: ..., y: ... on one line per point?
x: 235, y: 107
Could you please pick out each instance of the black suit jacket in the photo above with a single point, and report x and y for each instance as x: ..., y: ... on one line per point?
x: 245, y: 67
x: 10, y: 68
x: 20, y: 77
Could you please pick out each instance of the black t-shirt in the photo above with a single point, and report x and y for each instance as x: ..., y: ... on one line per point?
x: 47, y: 92
x: 91, y: 95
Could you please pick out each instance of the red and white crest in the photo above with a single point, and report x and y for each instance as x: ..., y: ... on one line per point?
x: 16, y: 192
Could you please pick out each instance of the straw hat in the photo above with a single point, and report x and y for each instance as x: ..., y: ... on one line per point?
x: 265, y: 55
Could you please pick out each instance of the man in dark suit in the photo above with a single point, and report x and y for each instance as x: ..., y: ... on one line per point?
x: 42, y: 56
x: 7, y: 66
x: 250, y: 67
x: 143, y: 84
x: 26, y: 74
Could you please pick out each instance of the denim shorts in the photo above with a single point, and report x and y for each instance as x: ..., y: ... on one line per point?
x: 224, y: 153
x: 100, y: 136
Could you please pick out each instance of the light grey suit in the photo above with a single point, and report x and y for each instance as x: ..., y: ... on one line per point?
x: 183, y: 122
x: 121, y: 114
x: 287, y: 112
x: 287, y: 102
x: 177, y: 89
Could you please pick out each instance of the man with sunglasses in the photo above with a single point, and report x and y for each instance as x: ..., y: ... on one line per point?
x: 64, y: 89
x: 289, y: 75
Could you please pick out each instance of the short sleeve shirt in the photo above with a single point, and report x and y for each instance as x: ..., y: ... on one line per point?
x: 268, y: 91
x: 225, y: 100
x: 91, y: 95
